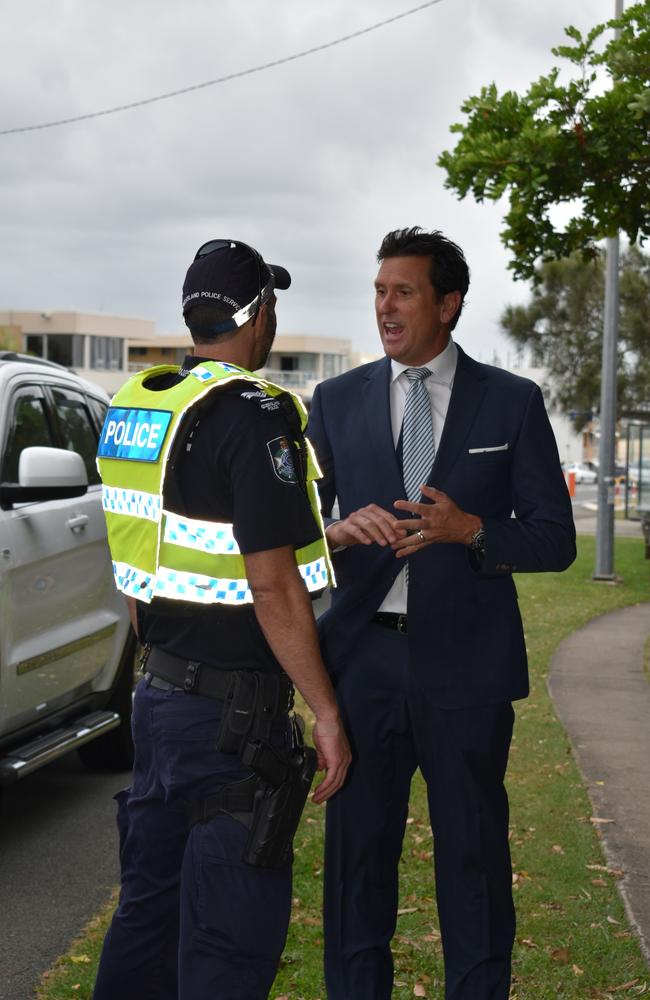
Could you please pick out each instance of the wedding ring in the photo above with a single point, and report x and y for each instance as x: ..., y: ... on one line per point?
x: 420, y: 535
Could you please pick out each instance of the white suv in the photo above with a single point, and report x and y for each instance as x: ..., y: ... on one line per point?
x: 66, y: 646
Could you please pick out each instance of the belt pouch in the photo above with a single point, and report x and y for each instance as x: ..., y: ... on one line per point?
x: 239, y: 711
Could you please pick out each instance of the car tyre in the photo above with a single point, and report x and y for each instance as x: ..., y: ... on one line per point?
x: 114, y: 750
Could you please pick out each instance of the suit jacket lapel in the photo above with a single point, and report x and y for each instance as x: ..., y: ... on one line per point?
x: 466, y: 398
x: 376, y: 406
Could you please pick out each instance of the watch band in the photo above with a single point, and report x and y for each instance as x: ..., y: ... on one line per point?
x: 477, y: 541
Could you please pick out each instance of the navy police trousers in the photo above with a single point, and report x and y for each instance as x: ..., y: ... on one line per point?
x: 194, y: 922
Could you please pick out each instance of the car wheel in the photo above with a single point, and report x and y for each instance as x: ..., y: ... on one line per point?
x: 114, y: 751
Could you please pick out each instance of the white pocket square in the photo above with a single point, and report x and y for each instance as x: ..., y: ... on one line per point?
x: 481, y: 451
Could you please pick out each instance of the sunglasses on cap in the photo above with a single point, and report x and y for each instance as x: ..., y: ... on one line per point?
x: 263, y: 293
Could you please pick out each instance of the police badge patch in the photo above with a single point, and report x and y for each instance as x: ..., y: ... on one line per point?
x: 281, y: 459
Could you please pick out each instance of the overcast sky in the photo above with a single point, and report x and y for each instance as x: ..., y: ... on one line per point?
x: 312, y: 162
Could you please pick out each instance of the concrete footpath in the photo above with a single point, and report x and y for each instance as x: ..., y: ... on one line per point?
x: 602, y: 697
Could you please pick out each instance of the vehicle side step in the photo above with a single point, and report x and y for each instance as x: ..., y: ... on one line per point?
x: 27, y: 758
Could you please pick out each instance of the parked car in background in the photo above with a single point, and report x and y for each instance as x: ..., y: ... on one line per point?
x: 66, y: 646
x: 583, y: 472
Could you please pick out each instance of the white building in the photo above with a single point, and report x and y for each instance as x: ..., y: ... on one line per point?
x: 300, y: 361
x: 94, y: 344
x: 106, y: 349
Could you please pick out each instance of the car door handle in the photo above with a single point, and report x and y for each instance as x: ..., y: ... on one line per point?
x: 77, y: 522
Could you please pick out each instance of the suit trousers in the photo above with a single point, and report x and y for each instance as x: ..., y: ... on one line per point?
x: 194, y: 922
x: 462, y: 754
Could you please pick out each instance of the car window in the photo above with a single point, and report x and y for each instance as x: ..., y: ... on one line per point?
x: 28, y: 427
x: 76, y: 427
x: 100, y: 409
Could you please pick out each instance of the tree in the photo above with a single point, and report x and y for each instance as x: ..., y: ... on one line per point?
x: 562, y: 328
x: 10, y: 338
x: 573, y: 144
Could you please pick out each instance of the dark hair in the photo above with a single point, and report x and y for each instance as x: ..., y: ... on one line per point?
x: 202, y: 319
x: 448, y: 272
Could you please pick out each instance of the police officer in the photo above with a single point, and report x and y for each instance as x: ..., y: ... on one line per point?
x: 212, y: 512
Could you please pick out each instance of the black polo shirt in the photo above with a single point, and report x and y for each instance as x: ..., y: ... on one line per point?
x: 232, y: 466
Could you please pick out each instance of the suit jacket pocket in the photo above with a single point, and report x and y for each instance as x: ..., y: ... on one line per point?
x: 495, y: 458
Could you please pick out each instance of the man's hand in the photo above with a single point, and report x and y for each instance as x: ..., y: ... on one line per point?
x: 439, y: 521
x: 365, y: 526
x: 334, y: 757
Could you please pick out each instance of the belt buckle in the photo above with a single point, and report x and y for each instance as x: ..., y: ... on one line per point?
x: 402, y: 624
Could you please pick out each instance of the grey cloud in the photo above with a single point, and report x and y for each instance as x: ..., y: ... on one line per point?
x: 312, y: 161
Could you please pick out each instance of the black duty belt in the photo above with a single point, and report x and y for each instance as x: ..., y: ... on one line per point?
x: 193, y: 677
x: 190, y: 676
x: 159, y: 683
x: 390, y: 619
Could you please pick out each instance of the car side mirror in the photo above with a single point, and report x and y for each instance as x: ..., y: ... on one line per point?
x: 46, y: 474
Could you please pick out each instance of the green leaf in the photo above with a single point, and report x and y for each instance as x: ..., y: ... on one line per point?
x: 559, y: 141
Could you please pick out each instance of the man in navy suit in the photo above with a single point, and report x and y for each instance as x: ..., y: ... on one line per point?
x: 424, y: 638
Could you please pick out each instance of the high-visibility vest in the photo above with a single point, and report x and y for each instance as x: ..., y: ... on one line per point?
x: 159, y: 553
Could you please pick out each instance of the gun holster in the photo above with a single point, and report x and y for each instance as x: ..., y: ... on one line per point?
x: 270, y: 802
x: 277, y: 810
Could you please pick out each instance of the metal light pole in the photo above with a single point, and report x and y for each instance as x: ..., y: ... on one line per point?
x: 607, y: 448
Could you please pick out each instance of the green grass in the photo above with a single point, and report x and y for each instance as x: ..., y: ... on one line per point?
x: 573, y: 940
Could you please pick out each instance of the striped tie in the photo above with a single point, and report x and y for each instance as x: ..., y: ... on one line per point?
x: 418, y: 450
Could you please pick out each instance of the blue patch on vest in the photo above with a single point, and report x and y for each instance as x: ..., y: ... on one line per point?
x: 133, y: 435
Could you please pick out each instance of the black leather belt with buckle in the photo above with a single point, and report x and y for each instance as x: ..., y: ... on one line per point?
x: 390, y: 619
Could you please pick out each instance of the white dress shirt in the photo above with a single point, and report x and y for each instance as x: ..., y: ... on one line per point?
x: 439, y: 385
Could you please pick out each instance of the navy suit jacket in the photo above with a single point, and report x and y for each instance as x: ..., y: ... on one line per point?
x: 497, y: 456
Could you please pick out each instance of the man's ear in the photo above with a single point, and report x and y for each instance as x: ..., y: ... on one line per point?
x: 450, y: 305
x: 260, y: 316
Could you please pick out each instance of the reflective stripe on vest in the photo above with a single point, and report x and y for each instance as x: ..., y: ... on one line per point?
x: 133, y: 502
x: 179, y: 585
x: 206, y: 536
x: 158, y: 553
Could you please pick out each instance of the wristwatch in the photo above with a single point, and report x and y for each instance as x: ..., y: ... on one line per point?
x: 477, y: 541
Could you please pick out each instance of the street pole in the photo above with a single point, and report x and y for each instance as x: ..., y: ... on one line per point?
x: 607, y: 447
